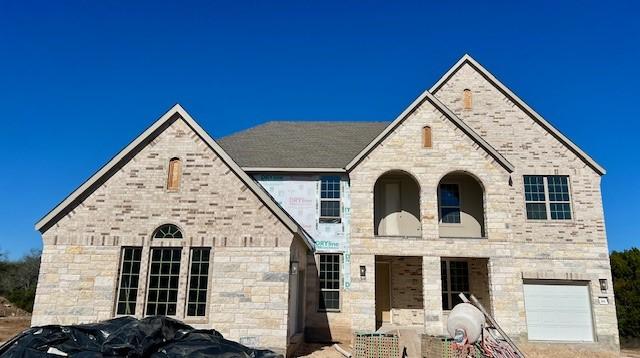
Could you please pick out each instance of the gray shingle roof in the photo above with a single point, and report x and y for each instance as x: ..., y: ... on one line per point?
x: 302, y: 144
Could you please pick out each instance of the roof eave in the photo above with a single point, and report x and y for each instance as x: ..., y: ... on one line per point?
x: 280, y: 213
x: 427, y: 96
x: 520, y: 103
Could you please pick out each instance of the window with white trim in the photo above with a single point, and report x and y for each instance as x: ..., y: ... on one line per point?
x: 129, y: 277
x: 330, y: 199
x: 162, y: 295
x: 455, y: 280
x: 329, y: 299
x: 198, y: 281
x: 547, y: 196
x: 449, y: 203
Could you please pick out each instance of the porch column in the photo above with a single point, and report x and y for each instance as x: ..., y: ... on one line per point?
x: 432, y: 295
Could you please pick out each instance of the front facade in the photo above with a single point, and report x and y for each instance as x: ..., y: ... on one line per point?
x: 321, y: 229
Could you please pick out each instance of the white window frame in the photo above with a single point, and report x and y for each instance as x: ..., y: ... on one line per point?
x: 547, y: 202
x: 330, y: 219
x: 339, y: 289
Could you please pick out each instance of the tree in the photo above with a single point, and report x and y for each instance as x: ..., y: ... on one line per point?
x: 625, y: 268
x: 18, y: 279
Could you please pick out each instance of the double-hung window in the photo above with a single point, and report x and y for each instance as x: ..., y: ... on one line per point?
x: 330, y: 199
x: 329, y: 299
x: 129, y: 277
x: 547, y: 196
x: 455, y: 280
x: 450, y: 203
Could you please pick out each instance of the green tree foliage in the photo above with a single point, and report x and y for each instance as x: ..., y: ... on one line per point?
x: 625, y: 268
x: 18, y: 279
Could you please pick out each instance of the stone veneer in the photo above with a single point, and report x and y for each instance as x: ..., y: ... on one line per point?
x: 515, y: 247
x: 250, y: 247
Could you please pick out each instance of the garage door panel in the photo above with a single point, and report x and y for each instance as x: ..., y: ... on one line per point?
x: 558, y: 312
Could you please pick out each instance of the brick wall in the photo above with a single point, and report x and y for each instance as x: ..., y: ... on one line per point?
x: 248, y: 295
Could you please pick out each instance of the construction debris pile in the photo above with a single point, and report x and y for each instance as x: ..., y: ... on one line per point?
x: 127, y: 337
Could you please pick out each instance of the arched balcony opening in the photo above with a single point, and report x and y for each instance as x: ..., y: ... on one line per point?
x: 396, y: 206
x: 461, y: 211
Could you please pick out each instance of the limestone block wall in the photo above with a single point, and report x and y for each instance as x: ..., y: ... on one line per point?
x: 250, y: 247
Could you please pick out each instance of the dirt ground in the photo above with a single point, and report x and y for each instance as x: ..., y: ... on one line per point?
x: 10, y: 326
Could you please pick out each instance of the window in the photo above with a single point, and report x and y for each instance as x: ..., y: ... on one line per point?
x: 426, y: 137
x: 175, y: 171
x: 449, y: 203
x: 555, y: 200
x: 455, y: 280
x: 162, y: 297
x: 467, y: 99
x: 129, y: 277
x: 198, y: 282
x: 329, y: 299
x: 330, y: 199
x: 167, y: 231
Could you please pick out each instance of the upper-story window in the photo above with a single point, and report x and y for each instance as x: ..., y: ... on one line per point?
x: 467, y: 99
x: 450, y: 203
x: 167, y: 231
x: 330, y: 199
x: 547, y: 196
x: 174, y: 174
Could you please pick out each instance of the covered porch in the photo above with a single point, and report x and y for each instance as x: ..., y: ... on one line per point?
x: 408, y: 295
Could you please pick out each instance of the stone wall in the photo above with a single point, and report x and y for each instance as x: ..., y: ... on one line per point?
x: 248, y: 292
x: 514, y: 245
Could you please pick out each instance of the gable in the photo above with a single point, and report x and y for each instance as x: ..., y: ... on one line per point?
x: 427, y: 99
x: 215, y: 192
x: 504, y: 119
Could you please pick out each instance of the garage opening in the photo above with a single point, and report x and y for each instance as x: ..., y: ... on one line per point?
x: 558, y: 310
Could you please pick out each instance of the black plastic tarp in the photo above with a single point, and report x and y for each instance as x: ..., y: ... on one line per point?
x: 127, y: 337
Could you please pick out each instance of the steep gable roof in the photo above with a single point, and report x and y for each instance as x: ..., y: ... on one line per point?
x: 466, y: 59
x: 426, y: 96
x: 126, y: 154
x: 301, y: 145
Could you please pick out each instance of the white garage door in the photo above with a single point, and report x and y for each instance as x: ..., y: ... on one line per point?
x: 558, y: 312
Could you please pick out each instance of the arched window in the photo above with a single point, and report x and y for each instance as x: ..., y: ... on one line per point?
x: 167, y: 231
x: 467, y: 99
x: 426, y: 137
x: 175, y: 171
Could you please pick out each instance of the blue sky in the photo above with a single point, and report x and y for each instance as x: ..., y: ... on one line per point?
x: 82, y: 79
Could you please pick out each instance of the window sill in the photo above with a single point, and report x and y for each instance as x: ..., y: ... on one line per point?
x: 330, y: 220
x: 328, y: 311
x: 550, y: 221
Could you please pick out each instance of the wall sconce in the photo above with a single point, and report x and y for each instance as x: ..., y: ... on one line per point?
x: 363, y: 272
x: 603, y: 285
x: 293, y: 267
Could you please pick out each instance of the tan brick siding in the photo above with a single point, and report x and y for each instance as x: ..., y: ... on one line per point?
x: 248, y: 295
